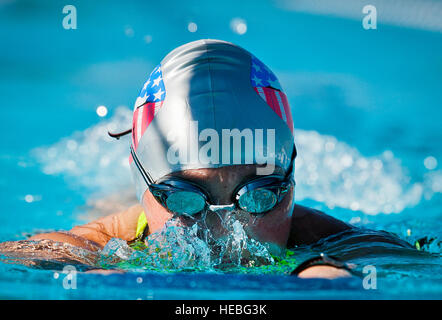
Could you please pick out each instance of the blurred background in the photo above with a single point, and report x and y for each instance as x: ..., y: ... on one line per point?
x: 366, y: 104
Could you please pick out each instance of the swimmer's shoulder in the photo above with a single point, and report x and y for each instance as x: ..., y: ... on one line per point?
x: 310, y: 225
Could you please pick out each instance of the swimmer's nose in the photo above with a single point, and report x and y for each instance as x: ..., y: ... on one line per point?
x: 215, y: 220
x: 222, y: 208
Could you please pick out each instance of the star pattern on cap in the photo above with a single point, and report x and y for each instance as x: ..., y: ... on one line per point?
x: 153, y: 89
x: 261, y: 76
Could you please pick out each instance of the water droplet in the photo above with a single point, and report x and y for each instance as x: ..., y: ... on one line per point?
x: 329, y: 146
x: 355, y: 220
x: 147, y: 38
x: 354, y: 206
x: 101, y: 111
x: 347, y: 160
x: 430, y: 163
x: 52, y: 152
x: 377, y: 164
x: 192, y: 27
x: 238, y: 26
x: 388, y: 154
x: 128, y: 31
x: 71, y: 145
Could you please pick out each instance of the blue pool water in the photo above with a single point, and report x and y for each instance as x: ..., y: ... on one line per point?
x: 366, y: 107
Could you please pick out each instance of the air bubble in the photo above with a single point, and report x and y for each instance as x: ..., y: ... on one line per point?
x: 238, y: 25
x: 101, y: 111
x: 430, y: 163
x: 192, y: 27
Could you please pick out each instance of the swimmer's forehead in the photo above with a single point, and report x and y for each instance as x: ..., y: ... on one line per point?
x: 235, y: 172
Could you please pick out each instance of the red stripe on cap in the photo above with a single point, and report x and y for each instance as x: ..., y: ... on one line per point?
x: 288, y: 112
x: 148, y: 115
x: 269, y: 95
x: 272, y: 101
x: 134, y: 129
x: 259, y: 91
x: 144, y: 123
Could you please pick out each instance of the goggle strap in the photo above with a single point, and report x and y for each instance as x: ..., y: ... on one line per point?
x: 147, y: 178
x: 292, y: 160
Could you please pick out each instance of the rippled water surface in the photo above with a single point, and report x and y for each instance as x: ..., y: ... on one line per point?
x: 366, y: 109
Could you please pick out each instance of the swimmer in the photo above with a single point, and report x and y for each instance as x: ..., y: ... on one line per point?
x: 213, y: 134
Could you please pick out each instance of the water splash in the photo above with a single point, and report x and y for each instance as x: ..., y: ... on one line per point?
x: 334, y: 173
x: 188, y: 245
x: 91, y: 158
x: 183, y: 244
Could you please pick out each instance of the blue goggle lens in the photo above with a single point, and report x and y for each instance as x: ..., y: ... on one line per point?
x: 257, y: 201
x: 185, y: 202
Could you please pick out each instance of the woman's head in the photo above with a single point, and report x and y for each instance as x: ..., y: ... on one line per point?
x: 212, y: 116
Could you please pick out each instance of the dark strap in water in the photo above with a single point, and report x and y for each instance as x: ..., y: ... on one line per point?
x: 322, y: 260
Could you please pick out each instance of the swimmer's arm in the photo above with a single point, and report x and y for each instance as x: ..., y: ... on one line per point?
x: 324, y: 272
x: 68, y: 237
x: 96, y: 234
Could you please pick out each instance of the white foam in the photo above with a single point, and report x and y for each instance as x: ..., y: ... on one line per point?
x: 91, y: 158
x: 334, y: 173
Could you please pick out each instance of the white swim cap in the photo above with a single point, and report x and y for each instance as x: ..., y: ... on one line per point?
x: 200, y: 92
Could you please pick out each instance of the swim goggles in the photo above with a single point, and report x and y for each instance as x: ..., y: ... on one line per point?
x: 256, y: 196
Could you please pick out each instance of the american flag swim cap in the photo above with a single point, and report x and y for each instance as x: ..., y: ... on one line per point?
x: 218, y: 86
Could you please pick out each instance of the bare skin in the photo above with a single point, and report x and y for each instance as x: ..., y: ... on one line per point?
x: 324, y: 272
x: 286, y: 222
